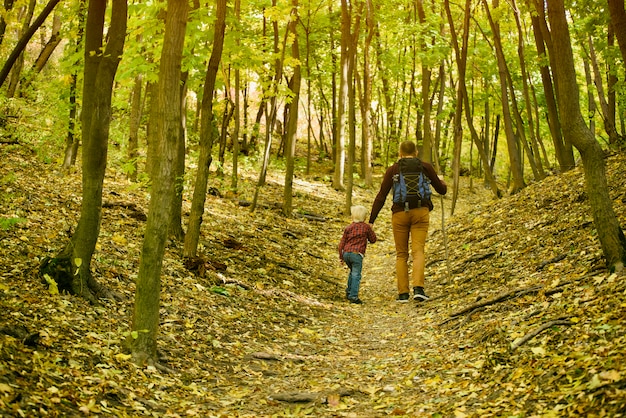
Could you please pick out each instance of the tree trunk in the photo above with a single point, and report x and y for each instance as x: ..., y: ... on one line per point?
x: 24, y: 39
x: 292, y: 124
x: 352, y: 52
x: 192, y: 237
x: 609, y: 121
x: 18, y: 66
x: 366, y: 101
x: 134, y: 123
x: 8, y: 6
x: 462, y: 103
x: 515, y: 161
x: 72, y: 141
x: 610, y: 234
x: 618, y: 21
x: 165, y: 115
x: 564, y: 150
x: 44, y: 55
x: 176, y: 231
x: 340, y: 150
x: 99, y: 74
x: 270, y: 114
x: 534, y: 158
x: 427, y: 147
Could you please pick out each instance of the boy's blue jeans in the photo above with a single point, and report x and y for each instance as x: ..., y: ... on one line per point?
x: 355, y: 262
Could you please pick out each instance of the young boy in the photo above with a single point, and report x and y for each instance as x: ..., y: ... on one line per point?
x: 352, y: 249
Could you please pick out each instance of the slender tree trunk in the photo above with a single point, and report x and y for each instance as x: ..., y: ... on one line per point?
x: 292, y: 123
x: 610, y: 234
x: 340, y: 151
x: 352, y: 52
x: 273, y: 109
x: 237, y: 114
x: 617, y: 14
x: 8, y: 6
x: 192, y: 237
x: 513, y: 146
x: 72, y: 140
x: 44, y: 55
x: 134, y: 123
x: 99, y: 74
x: 16, y: 71
x: 464, y: 105
x: 165, y: 121
x: 564, y: 150
x: 366, y: 101
x: 609, y: 122
x: 535, y: 158
x: 176, y: 231
x: 24, y: 39
x: 427, y: 147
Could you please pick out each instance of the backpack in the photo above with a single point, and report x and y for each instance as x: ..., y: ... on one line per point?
x: 411, y: 187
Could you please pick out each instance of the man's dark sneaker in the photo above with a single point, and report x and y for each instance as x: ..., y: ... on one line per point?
x: 356, y: 301
x: 403, y: 297
x: 419, y: 295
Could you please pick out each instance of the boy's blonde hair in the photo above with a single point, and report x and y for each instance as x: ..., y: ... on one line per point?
x: 358, y: 213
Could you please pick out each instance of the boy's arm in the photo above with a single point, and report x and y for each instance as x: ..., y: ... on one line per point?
x: 341, y: 244
x: 371, y: 235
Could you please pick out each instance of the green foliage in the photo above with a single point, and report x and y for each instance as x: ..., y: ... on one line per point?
x: 8, y: 223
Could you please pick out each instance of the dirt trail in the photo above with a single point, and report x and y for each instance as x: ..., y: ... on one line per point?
x: 372, y: 360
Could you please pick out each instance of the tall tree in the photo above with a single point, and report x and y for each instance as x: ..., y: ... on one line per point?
x: 617, y: 13
x: 101, y: 62
x: 292, y: 123
x: 165, y: 116
x: 192, y: 237
x: 563, y: 149
x: 610, y: 234
x: 515, y: 162
x: 24, y: 39
x: 340, y: 150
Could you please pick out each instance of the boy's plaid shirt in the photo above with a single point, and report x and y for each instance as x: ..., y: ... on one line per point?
x: 355, y: 238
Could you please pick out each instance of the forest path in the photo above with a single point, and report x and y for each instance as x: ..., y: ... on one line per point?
x: 374, y: 359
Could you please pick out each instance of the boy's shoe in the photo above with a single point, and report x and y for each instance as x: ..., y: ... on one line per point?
x: 356, y: 301
x: 403, y: 297
x: 419, y: 295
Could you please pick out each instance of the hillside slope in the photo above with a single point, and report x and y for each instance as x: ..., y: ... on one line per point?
x: 523, y: 318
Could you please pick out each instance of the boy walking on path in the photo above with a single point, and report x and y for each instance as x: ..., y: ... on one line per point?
x: 408, y: 221
x: 352, y: 249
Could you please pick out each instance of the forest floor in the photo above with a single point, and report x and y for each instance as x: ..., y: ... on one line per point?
x: 523, y: 320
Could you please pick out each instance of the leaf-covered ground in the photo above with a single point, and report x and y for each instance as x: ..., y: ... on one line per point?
x: 523, y: 321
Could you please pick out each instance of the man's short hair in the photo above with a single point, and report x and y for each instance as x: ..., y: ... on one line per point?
x: 408, y: 148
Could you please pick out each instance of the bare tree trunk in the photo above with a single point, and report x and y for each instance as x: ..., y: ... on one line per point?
x: 292, y: 124
x: 99, y: 74
x: 165, y: 116
x: 72, y: 140
x: 16, y: 71
x: 24, y: 39
x: 463, y: 105
x: 44, y: 55
x: 564, y: 150
x: 610, y: 234
x: 513, y: 146
x: 237, y: 114
x: 134, y: 123
x: 609, y: 122
x: 8, y: 6
x: 366, y: 100
x: 617, y: 14
x: 340, y: 151
x: 192, y: 237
